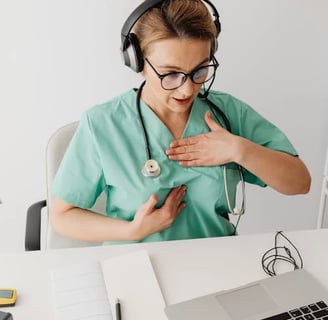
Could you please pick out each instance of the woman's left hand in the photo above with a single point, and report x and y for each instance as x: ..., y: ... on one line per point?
x: 208, y: 149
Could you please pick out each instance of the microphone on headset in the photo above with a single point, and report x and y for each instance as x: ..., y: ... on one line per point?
x: 204, y: 94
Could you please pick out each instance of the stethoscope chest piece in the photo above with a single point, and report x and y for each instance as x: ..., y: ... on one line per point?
x: 151, y: 169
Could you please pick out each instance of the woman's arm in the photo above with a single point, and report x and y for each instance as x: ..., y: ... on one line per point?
x: 283, y: 172
x: 82, y: 224
x: 86, y: 225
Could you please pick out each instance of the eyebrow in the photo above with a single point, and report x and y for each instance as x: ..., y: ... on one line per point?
x: 167, y: 66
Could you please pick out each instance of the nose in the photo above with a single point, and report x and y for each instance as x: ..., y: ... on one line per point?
x: 188, y: 88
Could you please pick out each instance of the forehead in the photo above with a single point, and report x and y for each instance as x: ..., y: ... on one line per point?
x: 182, y: 53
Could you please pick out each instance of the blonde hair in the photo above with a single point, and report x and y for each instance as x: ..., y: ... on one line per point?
x: 189, y: 19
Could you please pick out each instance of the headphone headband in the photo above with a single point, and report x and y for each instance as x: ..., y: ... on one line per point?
x: 135, y: 15
x: 130, y: 49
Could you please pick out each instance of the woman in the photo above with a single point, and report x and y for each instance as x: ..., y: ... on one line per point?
x: 195, y: 149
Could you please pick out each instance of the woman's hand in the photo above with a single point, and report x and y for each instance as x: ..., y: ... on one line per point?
x: 283, y: 172
x: 209, y: 149
x: 149, y: 219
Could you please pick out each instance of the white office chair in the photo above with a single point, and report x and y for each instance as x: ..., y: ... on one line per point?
x: 36, y: 237
x: 323, y: 207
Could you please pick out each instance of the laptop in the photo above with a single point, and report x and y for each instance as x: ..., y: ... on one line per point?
x: 292, y: 295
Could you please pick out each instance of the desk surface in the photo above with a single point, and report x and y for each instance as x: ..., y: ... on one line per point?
x: 185, y: 269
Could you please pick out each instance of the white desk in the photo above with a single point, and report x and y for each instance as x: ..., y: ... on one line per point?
x: 185, y: 269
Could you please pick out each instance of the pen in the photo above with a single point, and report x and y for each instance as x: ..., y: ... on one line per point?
x: 118, y: 310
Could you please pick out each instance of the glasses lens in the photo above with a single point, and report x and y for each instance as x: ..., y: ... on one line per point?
x: 177, y: 79
x: 203, y: 74
x: 173, y: 80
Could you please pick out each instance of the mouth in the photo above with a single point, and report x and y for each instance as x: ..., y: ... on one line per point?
x: 183, y: 101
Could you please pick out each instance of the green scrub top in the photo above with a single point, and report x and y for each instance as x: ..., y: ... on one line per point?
x: 107, y: 153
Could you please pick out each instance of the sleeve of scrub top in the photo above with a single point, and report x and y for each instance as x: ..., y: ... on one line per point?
x: 248, y: 123
x: 261, y: 131
x: 79, y: 179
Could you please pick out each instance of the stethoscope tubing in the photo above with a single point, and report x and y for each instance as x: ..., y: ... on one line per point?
x: 142, y: 123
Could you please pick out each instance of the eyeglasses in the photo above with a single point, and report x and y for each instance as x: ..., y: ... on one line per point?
x: 174, y: 80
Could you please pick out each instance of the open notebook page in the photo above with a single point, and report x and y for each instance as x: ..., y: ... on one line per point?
x: 89, y: 290
x: 131, y: 279
x: 79, y: 293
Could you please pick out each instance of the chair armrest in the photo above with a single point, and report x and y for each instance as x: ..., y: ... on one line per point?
x: 33, y: 226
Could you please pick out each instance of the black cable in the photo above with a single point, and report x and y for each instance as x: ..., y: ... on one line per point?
x: 236, y: 224
x: 142, y: 124
x: 281, y: 253
x: 226, y: 122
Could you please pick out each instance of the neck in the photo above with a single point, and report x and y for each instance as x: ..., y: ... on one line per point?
x: 174, y: 121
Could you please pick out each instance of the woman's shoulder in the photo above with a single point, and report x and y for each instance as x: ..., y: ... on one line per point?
x: 118, y: 104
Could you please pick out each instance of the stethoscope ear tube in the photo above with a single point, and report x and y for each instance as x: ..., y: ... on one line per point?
x: 236, y: 210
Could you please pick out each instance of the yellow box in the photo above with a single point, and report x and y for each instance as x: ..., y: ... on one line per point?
x: 7, y: 297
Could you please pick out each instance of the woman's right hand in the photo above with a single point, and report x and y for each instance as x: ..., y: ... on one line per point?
x: 149, y: 219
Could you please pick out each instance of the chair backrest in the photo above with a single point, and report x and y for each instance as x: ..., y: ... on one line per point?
x: 55, y: 151
x: 323, y: 207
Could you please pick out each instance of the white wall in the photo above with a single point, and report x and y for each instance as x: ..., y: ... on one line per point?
x: 60, y: 57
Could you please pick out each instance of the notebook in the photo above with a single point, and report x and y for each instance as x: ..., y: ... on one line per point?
x: 292, y: 295
x: 88, y: 290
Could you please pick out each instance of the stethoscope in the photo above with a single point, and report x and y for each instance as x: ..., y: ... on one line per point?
x: 152, y: 169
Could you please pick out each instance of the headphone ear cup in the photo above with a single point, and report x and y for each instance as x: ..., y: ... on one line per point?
x: 132, y: 54
x: 214, y: 47
x: 217, y: 25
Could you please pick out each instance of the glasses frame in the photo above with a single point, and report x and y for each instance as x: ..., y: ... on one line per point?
x: 215, y: 64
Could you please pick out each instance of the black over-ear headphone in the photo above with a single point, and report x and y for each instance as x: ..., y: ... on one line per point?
x: 130, y: 48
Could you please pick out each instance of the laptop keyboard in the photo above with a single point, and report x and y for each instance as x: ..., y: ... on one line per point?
x: 313, y: 311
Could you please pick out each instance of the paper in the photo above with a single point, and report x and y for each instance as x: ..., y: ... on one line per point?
x: 131, y: 279
x: 80, y: 293
x: 89, y: 290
